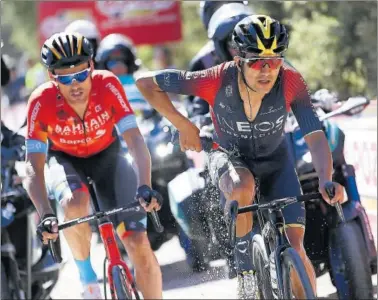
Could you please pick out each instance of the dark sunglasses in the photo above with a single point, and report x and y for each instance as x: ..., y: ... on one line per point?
x: 69, y: 78
x: 259, y: 63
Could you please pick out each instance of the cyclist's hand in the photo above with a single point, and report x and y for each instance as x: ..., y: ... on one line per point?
x: 339, y: 193
x: 189, y: 138
x: 148, y: 198
x: 48, y: 228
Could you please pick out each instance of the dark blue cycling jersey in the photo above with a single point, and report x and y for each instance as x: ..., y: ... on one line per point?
x: 219, y: 87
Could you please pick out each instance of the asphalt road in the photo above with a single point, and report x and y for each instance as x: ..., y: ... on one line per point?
x: 178, y: 281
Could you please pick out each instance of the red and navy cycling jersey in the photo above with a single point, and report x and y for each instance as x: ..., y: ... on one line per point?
x: 52, y: 120
x: 219, y: 87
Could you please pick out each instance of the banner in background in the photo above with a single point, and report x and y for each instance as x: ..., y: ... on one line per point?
x: 144, y: 22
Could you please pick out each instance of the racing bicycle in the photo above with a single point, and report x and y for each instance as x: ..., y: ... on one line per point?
x: 121, y: 282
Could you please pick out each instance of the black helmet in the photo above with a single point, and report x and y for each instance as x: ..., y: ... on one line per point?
x: 207, y: 8
x: 65, y: 50
x: 260, y: 35
x: 222, y: 24
x: 119, y: 47
x: 87, y: 29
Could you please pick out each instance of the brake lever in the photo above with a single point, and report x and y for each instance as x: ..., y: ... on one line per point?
x: 330, y: 190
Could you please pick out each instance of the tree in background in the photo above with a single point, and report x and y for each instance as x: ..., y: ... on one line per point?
x: 334, y: 44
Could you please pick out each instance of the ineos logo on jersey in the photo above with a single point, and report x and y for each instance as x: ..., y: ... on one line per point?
x: 34, y: 117
x: 92, y: 124
x: 265, y: 126
x: 118, y: 95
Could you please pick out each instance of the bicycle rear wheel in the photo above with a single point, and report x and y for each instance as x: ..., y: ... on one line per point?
x: 291, y: 261
x: 261, y: 264
x: 123, y: 288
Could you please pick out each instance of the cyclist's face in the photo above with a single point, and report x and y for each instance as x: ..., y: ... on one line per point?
x: 261, y: 76
x: 76, y: 91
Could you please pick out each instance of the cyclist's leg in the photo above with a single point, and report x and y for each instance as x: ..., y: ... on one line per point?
x: 236, y: 182
x: 116, y: 186
x: 67, y: 182
x: 284, y: 183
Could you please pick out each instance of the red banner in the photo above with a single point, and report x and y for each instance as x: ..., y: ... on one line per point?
x: 144, y: 22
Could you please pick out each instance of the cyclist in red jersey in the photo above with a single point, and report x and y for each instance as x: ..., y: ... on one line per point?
x: 249, y: 99
x: 72, y: 121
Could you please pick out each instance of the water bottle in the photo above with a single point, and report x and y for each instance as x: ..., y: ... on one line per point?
x: 273, y: 275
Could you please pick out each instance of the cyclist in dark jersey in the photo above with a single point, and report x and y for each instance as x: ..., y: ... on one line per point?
x: 249, y: 100
x: 77, y: 115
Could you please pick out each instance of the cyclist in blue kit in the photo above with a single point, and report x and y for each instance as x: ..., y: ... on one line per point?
x: 249, y: 100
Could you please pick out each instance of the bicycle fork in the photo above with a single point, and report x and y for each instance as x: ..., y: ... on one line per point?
x: 112, y: 253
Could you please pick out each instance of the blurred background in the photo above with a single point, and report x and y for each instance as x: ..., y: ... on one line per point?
x: 332, y: 43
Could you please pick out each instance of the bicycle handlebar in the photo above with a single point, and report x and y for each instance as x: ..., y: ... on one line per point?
x: 279, y: 203
x: 134, y: 206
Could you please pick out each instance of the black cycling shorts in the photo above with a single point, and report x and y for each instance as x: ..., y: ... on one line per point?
x: 277, y: 179
x: 114, y: 178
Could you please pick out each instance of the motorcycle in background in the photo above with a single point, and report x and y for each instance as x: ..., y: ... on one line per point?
x: 167, y: 163
x: 27, y: 268
x: 345, y: 250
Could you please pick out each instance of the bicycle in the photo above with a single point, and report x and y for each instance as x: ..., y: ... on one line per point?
x: 121, y: 282
x: 273, y: 255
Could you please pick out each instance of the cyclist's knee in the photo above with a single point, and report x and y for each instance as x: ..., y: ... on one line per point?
x: 295, y: 236
x: 76, y: 204
x: 238, y: 185
x: 137, y: 242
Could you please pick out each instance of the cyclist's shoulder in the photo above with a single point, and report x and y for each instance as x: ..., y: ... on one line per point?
x: 291, y: 77
x: 224, y: 68
x: 43, y: 94
x: 289, y: 71
x: 103, y: 77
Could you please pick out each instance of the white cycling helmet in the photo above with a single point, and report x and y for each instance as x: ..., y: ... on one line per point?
x: 85, y: 28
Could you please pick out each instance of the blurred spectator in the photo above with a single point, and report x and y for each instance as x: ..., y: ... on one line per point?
x: 4, y: 71
x: 15, y: 89
x: 163, y: 59
x: 35, y: 75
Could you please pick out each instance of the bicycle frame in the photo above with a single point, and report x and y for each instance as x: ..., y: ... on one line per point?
x: 275, y: 239
x: 113, y: 254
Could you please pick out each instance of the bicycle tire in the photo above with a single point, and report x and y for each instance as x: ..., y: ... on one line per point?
x: 261, y: 265
x: 291, y: 259
x: 356, y: 261
x: 123, y: 288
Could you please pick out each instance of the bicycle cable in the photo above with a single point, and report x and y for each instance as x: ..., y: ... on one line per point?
x: 105, y: 259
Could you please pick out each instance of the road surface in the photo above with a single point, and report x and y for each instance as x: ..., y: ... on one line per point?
x: 178, y: 281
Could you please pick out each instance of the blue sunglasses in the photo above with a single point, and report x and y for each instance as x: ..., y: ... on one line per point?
x: 69, y: 78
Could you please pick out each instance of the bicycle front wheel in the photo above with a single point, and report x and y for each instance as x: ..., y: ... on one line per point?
x: 292, y: 264
x: 123, y: 288
x: 261, y: 264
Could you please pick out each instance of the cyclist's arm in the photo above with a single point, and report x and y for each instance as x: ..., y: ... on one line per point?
x: 36, y: 148
x: 126, y: 124
x: 155, y: 85
x: 140, y: 153
x: 300, y: 102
